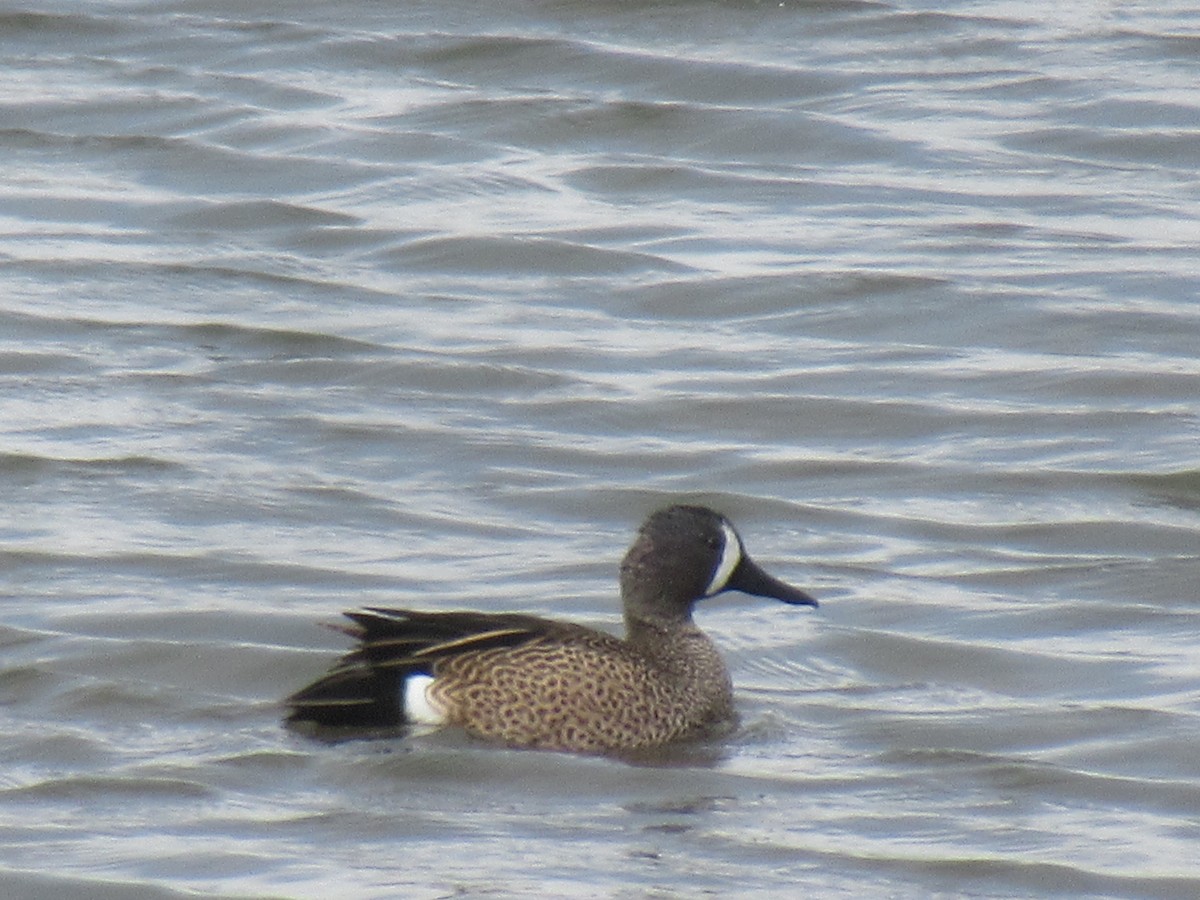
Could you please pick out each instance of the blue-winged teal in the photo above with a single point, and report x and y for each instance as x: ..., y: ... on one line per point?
x: 533, y: 682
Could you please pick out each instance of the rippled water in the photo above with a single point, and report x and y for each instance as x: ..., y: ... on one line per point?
x: 305, y: 307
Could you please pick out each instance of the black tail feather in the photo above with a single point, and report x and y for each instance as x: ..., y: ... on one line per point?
x: 356, y: 696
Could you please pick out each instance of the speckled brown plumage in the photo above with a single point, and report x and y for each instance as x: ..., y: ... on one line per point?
x: 573, y: 688
x: 533, y: 682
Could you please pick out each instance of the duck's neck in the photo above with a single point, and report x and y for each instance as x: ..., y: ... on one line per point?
x: 676, y: 645
x: 646, y: 632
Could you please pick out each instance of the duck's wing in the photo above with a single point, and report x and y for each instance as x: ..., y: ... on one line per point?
x: 366, y: 688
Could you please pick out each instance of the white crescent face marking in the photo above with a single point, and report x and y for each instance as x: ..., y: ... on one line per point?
x: 731, y: 555
x: 417, y: 706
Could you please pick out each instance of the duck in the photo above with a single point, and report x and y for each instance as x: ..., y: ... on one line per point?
x: 532, y: 682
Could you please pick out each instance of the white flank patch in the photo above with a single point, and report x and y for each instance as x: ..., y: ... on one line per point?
x: 417, y: 706
x: 731, y: 555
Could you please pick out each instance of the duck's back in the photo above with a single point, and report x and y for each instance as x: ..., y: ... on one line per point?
x: 580, y: 689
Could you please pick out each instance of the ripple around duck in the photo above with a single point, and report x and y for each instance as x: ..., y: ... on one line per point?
x: 519, y: 255
x: 33, y: 466
x: 259, y: 215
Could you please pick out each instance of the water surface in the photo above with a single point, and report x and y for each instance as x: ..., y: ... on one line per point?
x: 311, y: 307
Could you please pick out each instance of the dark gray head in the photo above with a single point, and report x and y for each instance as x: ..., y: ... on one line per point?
x: 686, y: 553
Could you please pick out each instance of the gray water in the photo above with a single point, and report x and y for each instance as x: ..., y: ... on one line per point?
x: 308, y: 306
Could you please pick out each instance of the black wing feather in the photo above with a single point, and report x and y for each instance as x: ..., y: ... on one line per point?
x: 363, y: 688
